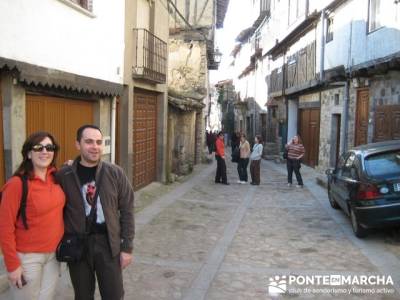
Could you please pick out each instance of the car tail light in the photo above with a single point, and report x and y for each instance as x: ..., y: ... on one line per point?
x: 367, y: 192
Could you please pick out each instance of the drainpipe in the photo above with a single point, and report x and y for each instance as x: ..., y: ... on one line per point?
x: 113, y: 126
x: 285, y: 139
x: 345, y: 122
x: 254, y: 100
x: 345, y: 119
x: 322, y: 48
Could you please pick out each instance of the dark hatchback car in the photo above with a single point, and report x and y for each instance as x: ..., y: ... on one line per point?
x: 366, y: 185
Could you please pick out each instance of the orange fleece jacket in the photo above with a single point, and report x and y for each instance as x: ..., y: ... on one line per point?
x: 44, y: 212
x: 219, y: 144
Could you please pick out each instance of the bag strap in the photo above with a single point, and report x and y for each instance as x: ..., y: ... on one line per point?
x: 22, y: 207
x: 93, y: 209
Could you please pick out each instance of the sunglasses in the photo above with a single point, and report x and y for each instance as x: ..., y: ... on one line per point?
x: 40, y: 147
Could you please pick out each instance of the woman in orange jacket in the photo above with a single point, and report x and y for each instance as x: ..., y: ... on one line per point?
x: 29, y: 244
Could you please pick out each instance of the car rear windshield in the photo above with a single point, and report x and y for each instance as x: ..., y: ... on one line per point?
x: 383, y: 165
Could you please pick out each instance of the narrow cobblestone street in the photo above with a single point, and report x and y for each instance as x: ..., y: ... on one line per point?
x: 199, y: 240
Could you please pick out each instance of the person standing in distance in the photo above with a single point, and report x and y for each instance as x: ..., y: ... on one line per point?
x: 255, y: 158
x: 220, y: 176
x: 296, y: 152
x: 109, y: 242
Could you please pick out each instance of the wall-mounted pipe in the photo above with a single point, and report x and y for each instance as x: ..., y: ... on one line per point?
x: 113, y: 127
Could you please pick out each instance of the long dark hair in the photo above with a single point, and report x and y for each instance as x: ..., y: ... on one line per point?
x: 259, y: 139
x: 26, y: 166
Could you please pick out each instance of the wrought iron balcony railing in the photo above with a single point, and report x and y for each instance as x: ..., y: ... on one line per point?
x: 150, y: 56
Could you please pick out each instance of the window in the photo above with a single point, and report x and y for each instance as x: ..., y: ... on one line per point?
x: 296, y: 10
x: 375, y: 15
x: 384, y: 165
x: 349, y: 169
x: 337, y: 99
x: 329, y: 29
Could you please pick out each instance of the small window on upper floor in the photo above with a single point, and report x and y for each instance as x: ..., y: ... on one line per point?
x: 297, y: 9
x: 375, y: 15
x: 329, y: 29
x: 86, y: 4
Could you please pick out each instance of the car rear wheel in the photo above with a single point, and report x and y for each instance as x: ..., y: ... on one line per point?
x: 332, y: 201
x: 358, y: 230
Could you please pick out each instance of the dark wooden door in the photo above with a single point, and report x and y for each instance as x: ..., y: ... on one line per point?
x: 309, y: 132
x: 387, y: 123
x: 362, y: 111
x: 144, y: 138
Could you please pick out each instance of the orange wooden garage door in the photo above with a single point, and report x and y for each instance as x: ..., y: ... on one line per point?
x: 144, y: 138
x: 59, y: 116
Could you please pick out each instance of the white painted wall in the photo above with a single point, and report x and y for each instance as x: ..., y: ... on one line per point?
x: 351, y: 20
x: 143, y: 14
x: 51, y: 34
x: 292, y: 118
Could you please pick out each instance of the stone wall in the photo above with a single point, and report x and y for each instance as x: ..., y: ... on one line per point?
x: 187, y: 68
x: 331, y: 108
x: 181, y: 137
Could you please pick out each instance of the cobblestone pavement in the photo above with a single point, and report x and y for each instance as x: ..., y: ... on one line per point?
x: 201, y: 240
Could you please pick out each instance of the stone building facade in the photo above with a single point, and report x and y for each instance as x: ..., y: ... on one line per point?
x: 191, y: 56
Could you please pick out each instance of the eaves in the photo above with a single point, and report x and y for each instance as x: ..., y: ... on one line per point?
x: 37, y: 76
x: 304, y: 27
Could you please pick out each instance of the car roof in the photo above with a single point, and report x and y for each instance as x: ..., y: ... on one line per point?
x: 373, y: 148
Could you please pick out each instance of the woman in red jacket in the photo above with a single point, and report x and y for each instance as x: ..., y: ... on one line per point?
x: 29, y: 251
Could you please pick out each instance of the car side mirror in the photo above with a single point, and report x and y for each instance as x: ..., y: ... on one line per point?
x: 330, y: 172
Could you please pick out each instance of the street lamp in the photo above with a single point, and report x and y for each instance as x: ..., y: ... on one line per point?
x: 217, y: 56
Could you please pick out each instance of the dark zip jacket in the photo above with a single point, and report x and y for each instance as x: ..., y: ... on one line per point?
x: 117, y: 201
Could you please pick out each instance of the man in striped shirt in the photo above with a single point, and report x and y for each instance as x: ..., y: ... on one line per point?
x: 296, y: 151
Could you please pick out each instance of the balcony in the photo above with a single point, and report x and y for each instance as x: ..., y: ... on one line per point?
x: 150, y: 57
x: 298, y: 73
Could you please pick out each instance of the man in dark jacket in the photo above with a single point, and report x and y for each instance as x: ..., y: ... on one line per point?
x: 110, y: 226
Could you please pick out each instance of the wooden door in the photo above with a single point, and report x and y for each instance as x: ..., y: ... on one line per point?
x: 362, y: 111
x: 395, y: 122
x: 61, y: 117
x: 387, y: 123
x: 309, y: 132
x: 144, y: 138
x: 2, y: 176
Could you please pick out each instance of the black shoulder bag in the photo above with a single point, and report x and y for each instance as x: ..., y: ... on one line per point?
x: 73, y: 245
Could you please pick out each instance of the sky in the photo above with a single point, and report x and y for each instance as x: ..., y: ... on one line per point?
x: 236, y: 19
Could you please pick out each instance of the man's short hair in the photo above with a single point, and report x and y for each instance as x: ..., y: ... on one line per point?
x: 80, y: 130
x: 220, y: 133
